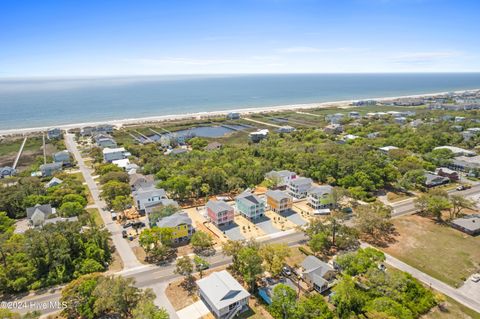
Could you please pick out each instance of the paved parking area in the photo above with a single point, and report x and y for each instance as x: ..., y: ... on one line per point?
x: 232, y: 231
x: 294, y: 218
x: 471, y: 289
x: 265, y: 224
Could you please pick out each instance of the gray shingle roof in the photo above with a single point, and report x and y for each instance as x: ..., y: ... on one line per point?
x: 278, y: 195
x: 46, y: 209
x: 175, y: 220
x: 301, y: 181
x: 218, y: 206
x: 469, y: 222
x: 222, y: 289
x: 323, y: 189
x: 312, y: 264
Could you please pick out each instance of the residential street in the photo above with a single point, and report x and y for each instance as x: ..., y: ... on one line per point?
x: 407, y: 206
x: 146, y: 276
x: 158, y: 277
x: 129, y: 259
x: 436, y: 284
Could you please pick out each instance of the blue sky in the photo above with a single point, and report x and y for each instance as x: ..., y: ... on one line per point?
x: 127, y: 37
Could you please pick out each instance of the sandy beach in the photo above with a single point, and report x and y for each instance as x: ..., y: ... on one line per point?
x: 203, y: 115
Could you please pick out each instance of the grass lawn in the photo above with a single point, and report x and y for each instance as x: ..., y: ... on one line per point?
x: 453, y: 310
x: 12, y: 146
x: 96, y: 216
x: 438, y: 250
x: 296, y: 256
x: 257, y: 310
x: 396, y: 197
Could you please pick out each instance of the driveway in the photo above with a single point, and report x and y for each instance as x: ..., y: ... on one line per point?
x: 194, y: 311
x: 129, y: 259
x: 265, y: 224
x: 294, y: 217
x: 232, y: 231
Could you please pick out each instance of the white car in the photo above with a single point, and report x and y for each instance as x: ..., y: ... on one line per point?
x: 475, y: 278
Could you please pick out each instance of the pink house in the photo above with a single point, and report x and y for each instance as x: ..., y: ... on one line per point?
x: 219, y: 212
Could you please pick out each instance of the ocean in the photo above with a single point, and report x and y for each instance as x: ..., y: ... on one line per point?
x: 26, y: 103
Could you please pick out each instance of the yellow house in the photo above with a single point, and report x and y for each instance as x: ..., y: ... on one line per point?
x: 279, y: 201
x: 180, y: 224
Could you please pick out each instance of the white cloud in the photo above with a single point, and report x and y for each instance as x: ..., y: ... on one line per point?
x: 424, y: 57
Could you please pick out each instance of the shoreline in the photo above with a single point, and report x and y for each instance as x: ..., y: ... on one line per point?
x: 201, y: 115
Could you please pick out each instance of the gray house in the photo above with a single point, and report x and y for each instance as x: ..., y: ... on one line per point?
x: 138, y: 181
x: 223, y: 295
x: 62, y: 157
x: 148, y: 196
x: 317, y: 274
x: 299, y: 187
x: 38, y: 214
x: 7, y: 171
x: 432, y: 180
x: 105, y: 140
x: 54, y: 133
x: 50, y: 168
x: 53, y: 182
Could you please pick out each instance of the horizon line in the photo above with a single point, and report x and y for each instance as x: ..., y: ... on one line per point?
x: 99, y: 76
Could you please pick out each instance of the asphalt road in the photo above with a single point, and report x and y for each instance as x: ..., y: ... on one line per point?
x: 127, y: 256
x: 145, y: 276
x: 407, y: 206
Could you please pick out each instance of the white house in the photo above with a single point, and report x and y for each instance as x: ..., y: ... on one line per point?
x: 281, y: 178
x: 223, y: 295
x: 299, y: 187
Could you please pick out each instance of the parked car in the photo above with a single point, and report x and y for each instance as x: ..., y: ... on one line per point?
x: 463, y: 187
x: 475, y: 278
x: 126, y: 225
x: 124, y: 234
x: 287, y: 271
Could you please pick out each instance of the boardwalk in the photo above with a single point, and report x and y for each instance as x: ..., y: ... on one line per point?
x: 17, y: 158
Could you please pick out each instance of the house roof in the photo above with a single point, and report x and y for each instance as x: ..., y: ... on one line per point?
x: 249, y: 198
x: 212, y: 146
x: 301, y: 181
x: 45, y: 209
x: 469, y: 222
x: 218, y: 206
x: 280, y: 174
x: 113, y: 150
x: 221, y: 289
x: 456, y: 150
x: 144, y: 193
x: 50, y: 166
x: 61, y: 153
x: 312, y: 264
x: 150, y: 207
x: 388, y: 148
x: 320, y: 190
x: 7, y: 170
x: 278, y: 195
x: 434, y: 179
x: 138, y: 179
x: 175, y: 220
x: 54, y: 181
